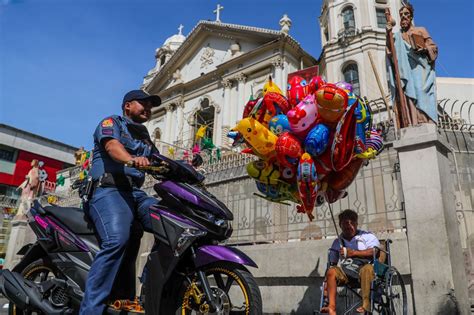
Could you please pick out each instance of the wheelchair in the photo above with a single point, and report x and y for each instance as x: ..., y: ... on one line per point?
x: 387, y: 293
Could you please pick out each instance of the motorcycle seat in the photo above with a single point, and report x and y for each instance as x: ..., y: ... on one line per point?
x: 74, y: 218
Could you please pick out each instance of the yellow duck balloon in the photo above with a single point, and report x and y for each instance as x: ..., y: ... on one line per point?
x: 257, y: 136
x: 271, y: 86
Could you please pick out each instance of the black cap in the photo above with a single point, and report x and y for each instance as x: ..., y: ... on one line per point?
x: 136, y: 95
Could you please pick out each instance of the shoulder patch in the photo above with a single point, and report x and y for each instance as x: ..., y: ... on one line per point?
x: 107, y: 123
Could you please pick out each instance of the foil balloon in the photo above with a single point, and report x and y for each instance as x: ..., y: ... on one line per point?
x: 288, y: 173
x: 345, y: 86
x: 263, y: 171
x: 277, y: 193
x: 275, y: 104
x: 342, y: 179
x: 373, y: 144
x: 317, y: 140
x: 307, y: 180
x: 303, y: 117
x: 360, y: 115
x: 314, y: 84
x: 279, y: 124
x: 257, y: 136
x: 288, y: 150
x: 364, y: 126
x: 332, y: 102
x: 297, y: 90
x: 258, y: 111
x: 236, y: 136
x: 375, y: 140
x: 323, y: 162
x: 250, y: 106
x: 342, y: 148
x: 332, y: 195
x: 270, y: 86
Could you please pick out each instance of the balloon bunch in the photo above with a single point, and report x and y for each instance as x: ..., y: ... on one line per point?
x: 310, y: 144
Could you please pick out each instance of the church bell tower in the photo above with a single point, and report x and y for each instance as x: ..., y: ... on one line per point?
x: 353, y: 33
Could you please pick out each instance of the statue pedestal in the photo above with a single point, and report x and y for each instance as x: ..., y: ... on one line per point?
x: 434, y: 245
x: 20, y: 235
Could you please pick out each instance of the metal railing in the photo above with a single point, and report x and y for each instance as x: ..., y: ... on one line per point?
x: 375, y: 195
x: 461, y: 143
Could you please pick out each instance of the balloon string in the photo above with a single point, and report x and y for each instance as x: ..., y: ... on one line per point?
x: 335, y: 225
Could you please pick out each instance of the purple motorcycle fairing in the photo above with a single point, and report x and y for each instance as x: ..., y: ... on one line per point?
x: 66, y: 238
x: 214, y: 253
x: 165, y: 212
x: 197, y: 197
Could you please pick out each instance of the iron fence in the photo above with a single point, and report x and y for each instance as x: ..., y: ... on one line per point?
x: 461, y: 156
x: 374, y: 195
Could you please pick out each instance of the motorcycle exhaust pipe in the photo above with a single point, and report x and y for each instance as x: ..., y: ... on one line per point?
x: 25, y: 294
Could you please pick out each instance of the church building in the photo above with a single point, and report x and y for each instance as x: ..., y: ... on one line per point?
x: 208, y: 77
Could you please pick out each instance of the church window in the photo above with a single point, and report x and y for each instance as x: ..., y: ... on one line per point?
x: 348, y: 19
x: 381, y: 20
x: 162, y: 60
x: 326, y: 34
x: 205, y: 117
x: 351, y: 75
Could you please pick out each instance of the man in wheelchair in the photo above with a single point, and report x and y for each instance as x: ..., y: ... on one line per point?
x: 350, y: 262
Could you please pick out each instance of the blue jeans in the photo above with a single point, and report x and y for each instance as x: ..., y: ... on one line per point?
x: 113, y: 213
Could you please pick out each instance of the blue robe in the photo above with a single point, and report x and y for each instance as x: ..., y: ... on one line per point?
x: 417, y: 76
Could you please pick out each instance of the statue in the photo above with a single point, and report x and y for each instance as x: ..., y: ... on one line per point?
x: 416, y: 53
x: 30, y: 188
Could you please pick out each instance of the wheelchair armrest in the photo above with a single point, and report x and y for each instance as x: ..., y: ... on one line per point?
x: 379, y: 249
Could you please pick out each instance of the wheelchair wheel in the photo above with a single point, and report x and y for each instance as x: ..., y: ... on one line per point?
x: 395, y: 293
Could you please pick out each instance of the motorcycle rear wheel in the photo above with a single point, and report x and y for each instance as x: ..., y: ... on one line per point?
x: 38, y: 271
x: 234, y: 288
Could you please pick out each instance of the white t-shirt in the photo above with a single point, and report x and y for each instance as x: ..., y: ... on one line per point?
x: 361, y: 241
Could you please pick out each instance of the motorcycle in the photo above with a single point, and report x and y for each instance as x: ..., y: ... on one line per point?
x: 187, y: 271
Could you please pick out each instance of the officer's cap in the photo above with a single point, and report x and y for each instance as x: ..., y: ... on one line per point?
x: 136, y: 95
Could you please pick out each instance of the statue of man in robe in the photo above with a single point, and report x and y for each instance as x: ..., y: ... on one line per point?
x: 416, y: 54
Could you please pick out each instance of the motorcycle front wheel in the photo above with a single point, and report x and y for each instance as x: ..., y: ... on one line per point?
x: 234, y: 288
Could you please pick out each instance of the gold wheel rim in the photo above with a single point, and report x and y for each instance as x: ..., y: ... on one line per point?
x: 186, y: 307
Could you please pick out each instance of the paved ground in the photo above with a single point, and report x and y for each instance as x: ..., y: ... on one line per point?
x: 3, y: 302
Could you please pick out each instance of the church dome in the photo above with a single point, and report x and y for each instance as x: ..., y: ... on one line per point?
x: 176, y: 39
x: 172, y: 43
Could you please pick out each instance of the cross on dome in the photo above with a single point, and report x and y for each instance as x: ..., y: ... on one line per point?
x: 180, y: 29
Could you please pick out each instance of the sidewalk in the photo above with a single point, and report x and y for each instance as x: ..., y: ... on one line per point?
x: 3, y: 302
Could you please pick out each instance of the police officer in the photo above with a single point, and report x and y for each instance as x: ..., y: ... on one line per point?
x: 117, y: 199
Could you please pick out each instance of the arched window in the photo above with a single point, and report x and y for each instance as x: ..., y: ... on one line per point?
x: 162, y: 60
x: 205, y: 117
x: 351, y: 75
x: 348, y: 20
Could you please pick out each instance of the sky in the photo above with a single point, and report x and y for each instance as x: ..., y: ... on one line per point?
x: 66, y: 64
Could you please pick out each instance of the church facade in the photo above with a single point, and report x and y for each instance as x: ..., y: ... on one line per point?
x: 209, y: 78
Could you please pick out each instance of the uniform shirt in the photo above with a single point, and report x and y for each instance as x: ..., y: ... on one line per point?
x: 115, y: 127
x: 361, y: 241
